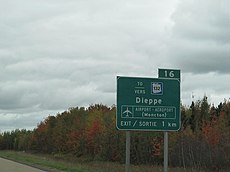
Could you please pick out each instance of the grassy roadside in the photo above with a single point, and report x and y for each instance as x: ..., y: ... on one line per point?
x: 43, y: 162
x: 69, y: 164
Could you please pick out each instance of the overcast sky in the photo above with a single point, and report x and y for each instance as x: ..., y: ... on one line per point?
x: 56, y: 54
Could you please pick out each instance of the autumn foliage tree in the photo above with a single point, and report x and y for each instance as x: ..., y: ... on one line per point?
x: 205, y: 143
x: 202, y: 142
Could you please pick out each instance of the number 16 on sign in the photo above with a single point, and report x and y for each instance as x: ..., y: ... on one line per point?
x: 169, y: 73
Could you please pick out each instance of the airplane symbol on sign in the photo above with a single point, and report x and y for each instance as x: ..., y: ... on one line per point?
x: 127, y: 113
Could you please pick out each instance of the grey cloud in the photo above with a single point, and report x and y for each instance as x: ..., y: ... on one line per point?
x: 58, y: 83
x: 57, y: 54
x: 11, y: 120
x: 200, y: 41
x: 213, y: 85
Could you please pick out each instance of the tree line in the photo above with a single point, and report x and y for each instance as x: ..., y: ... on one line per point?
x: 202, y: 142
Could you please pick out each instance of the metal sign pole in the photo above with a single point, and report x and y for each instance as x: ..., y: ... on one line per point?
x: 166, y: 151
x: 173, y: 74
x: 127, y: 161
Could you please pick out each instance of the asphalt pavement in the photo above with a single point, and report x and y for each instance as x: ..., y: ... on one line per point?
x: 11, y: 166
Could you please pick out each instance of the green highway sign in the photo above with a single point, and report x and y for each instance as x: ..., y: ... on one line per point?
x: 169, y: 73
x: 148, y: 104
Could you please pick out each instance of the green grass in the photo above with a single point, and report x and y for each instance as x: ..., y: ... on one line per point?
x: 66, y: 163
x: 43, y: 162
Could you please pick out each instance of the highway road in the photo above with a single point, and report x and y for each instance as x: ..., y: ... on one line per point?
x: 11, y: 166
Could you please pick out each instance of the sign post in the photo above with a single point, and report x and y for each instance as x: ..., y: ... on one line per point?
x: 165, y: 151
x: 149, y: 104
x: 173, y: 74
x: 127, y: 152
